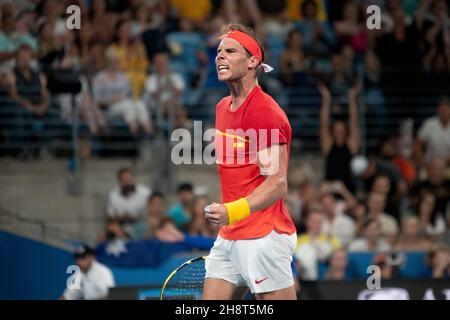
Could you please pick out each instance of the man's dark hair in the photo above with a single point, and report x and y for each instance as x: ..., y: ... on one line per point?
x: 156, y: 194
x: 123, y: 170
x: 185, y: 187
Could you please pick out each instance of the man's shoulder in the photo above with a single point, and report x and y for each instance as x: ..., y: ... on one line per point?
x: 430, y: 122
x: 99, y: 268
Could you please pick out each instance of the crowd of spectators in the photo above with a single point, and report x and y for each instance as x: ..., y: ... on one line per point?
x: 150, y: 63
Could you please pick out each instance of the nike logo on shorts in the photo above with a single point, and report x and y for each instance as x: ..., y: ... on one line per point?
x: 259, y: 281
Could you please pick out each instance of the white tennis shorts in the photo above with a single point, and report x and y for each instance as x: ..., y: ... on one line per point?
x: 262, y: 264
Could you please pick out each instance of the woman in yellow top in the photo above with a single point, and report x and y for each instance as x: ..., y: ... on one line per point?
x: 132, y: 57
x: 314, y: 246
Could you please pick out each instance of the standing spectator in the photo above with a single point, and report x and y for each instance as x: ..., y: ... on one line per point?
x: 412, y: 238
x: 314, y: 246
x: 376, y: 203
x: 432, y: 222
x: 127, y: 202
x: 95, y: 279
x: 198, y: 226
x: 111, y: 90
x: 372, y: 239
x: 181, y: 212
x: 436, y: 183
x: 434, y: 134
x: 165, y: 89
x: 439, y: 262
x: 336, y: 223
x: 338, y: 266
x: 338, y: 146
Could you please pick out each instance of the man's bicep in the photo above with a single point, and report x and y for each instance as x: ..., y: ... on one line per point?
x: 273, y: 160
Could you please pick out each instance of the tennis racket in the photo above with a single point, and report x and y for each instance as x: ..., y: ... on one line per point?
x: 186, y: 281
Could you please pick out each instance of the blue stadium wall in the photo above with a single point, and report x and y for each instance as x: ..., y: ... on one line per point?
x: 33, y: 270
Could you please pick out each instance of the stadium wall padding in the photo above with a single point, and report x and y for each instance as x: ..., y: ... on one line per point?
x: 30, y: 269
x: 33, y: 270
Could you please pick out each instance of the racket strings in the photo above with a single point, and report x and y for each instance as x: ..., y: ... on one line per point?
x: 186, y: 283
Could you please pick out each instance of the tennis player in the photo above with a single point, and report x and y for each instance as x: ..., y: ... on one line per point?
x: 257, y: 237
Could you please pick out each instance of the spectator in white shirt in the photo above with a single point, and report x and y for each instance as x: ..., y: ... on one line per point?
x: 372, y: 239
x: 434, y: 134
x: 127, y: 202
x: 165, y: 89
x: 336, y: 223
x: 93, y: 280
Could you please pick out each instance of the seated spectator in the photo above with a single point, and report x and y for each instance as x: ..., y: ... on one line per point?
x: 336, y: 224
x: 295, y: 12
x: 112, y: 91
x: 389, y: 264
x: 438, y: 260
x: 395, y: 150
x: 339, y: 144
x: 373, y: 93
x: 156, y: 208
x: 132, y: 57
x: 188, y: 53
x: 338, y: 266
x: 445, y: 237
x: 127, y: 201
x: 181, y: 212
x: 302, y: 193
x: 382, y: 185
x: 293, y: 63
x: 350, y: 29
x: 434, y: 135
x: 103, y: 21
x: 12, y: 39
x: 432, y: 222
x: 360, y: 214
x: 168, y: 232
x: 378, y: 167
x: 29, y: 89
x: 94, y: 280
x: 436, y: 183
x: 376, y: 203
x: 165, y: 89
x: 314, y: 246
x: 198, y: 226
x: 372, y: 239
x: 318, y: 35
x: 411, y: 237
